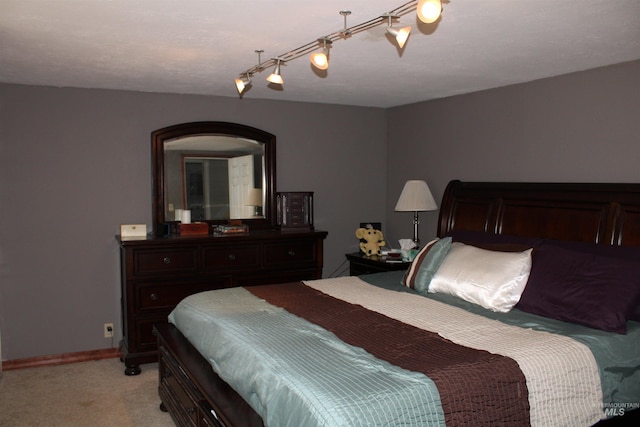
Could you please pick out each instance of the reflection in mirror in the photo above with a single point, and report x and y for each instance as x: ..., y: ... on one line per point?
x: 219, y: 171
x: 215, y: 177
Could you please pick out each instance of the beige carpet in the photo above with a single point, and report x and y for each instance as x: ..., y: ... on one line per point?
x: 93, y: 393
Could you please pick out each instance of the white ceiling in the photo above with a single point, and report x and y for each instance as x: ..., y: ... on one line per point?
x: 200, y: 46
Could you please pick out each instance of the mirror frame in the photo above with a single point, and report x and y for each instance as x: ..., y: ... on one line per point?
x: 158, y: 138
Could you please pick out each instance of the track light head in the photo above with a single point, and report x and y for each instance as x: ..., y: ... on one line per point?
x: 400, y: 34
x: 275, y: 77
x: 320, y: 60
x: 243, y: 83
x: 429, y: 10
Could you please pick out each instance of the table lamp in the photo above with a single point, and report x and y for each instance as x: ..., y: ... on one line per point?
x: 416, y: 197
x: 254, y: 198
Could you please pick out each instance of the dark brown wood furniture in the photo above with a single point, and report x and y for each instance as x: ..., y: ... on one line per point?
x: 295, y: 209
x: 215, y: 139
x: 359, y: 264
x: 606, y: 214
x: 189, y: 402
x: 159, y: 272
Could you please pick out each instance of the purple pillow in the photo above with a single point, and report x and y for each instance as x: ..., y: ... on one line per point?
x: 631, y: 253
x: 582, y: 287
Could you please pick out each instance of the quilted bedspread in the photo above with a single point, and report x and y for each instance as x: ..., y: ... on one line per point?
x: 342, y: 352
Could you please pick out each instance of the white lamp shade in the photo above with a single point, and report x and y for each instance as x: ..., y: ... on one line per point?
x: 254, y: 198
x: 416, y: 197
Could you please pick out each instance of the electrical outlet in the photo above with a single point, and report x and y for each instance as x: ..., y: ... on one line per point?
x: 108, y: 330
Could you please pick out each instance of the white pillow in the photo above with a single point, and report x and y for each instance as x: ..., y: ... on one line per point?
x: 491, y: 279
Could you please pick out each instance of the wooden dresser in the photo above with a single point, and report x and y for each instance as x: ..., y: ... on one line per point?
x: 158, y: 272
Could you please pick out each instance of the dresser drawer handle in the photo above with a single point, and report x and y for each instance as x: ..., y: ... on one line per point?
x: 291, y: 252
x: 191, y: 410
x: 167, y: 260
x: 154, y: 297
x: 232, y: 257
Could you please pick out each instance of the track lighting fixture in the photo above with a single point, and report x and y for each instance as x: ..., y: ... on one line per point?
x: 401, y: 34
x: 275, y: 77
x: 427, y: 11
x: 243, y: 83
x: 320, y: 60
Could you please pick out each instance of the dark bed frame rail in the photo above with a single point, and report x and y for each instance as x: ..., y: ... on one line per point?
x: 191, y: 391
x: 598, y: 213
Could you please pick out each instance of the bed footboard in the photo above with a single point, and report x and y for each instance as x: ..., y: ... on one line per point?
x: 191, y: 391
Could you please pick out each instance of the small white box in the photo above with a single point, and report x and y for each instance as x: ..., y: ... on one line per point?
x: 133, y: 230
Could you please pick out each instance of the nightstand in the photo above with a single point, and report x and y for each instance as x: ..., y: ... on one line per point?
x: 361, y: 264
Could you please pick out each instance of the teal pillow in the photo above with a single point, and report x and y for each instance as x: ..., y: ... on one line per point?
x: 425, y: 264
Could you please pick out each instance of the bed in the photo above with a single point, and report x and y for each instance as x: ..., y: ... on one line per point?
x: 524, y: 311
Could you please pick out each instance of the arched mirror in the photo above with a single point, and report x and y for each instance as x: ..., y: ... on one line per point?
x: 219, y: 171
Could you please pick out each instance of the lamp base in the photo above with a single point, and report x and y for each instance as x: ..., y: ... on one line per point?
x: 416, y: 221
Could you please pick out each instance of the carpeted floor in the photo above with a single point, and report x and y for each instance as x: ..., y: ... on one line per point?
x: 93, y: 393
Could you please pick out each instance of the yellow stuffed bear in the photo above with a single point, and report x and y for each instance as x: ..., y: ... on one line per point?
x: 374, y: 240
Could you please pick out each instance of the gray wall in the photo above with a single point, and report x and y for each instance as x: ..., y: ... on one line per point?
x: 582, y: 127
x: 75, y: 164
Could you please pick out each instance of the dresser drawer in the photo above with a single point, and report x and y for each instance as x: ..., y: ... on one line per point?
x: 296, y: 200
x: 208, y: 416
x: 145, y: 339
x: 231, y: 257
x: 166, y: 295
x: 289, y: 253
x: 177, y: 391
x: 149, y: 261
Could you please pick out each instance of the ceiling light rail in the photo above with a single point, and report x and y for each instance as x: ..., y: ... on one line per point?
x: 427, y: 11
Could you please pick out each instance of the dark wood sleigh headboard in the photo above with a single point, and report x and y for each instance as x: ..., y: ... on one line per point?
x: 607, y: 214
